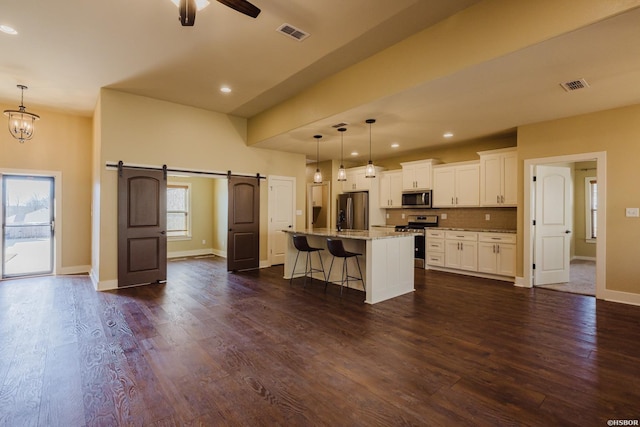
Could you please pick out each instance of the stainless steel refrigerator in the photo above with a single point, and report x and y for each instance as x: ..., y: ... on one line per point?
x: 356, y: 210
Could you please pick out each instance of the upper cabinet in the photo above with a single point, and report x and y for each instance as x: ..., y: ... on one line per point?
x: 357, y: 181
x: 456, y: 185
x: 418, y: 175
x: 391, y: 189
x: 498, y: 177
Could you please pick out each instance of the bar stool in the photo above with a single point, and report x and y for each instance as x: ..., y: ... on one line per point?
x: 301, y: 244
x: 337, y: 250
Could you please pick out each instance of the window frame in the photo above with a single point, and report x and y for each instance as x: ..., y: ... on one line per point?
x: 588, y: 211
x: 187, y: 234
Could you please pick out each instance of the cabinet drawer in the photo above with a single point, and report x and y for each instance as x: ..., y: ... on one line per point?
x: 435, y: 258
x: 497, y: 237
x: 435, y: 245
x: 436, y: 234
x: 470, y: 236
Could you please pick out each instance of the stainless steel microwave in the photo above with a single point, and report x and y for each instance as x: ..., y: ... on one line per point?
x: 416, y: 199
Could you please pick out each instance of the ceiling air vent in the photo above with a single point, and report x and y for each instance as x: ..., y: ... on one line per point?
x: 340, y: 125
x: 574, y: 85
x: 293, y: 32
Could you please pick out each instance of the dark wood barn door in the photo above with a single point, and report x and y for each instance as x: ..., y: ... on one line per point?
x: 243, y: 241
x: 142, y: 221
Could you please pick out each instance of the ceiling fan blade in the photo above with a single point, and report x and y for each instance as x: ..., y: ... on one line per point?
x: 242, y: 6
x: 187, y: 10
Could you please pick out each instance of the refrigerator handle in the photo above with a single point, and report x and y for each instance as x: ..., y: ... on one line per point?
x: 350, y: 213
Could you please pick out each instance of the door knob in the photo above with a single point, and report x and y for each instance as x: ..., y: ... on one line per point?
x: 162, y: 232
x: 290, y: 226
x: 567, y: 231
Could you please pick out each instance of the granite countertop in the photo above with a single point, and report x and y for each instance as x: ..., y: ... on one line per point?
x: 353, y: 234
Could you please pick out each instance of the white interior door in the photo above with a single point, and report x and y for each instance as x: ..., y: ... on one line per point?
x: 553, y: 224
x: 281, y: 215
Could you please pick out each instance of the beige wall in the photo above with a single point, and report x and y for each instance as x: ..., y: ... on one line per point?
x: 140, y: 130
x: 616, y: 132
x: 220, y: 216
x: 61, y: 143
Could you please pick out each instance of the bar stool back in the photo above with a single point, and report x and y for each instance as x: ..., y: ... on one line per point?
x: 336, y: 248
x: 301, y: 244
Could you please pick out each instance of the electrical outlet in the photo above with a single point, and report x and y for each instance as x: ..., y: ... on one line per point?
x: 487, y: 217
x: 387, y: 216
x: 402, y: 216
x: 204, y: 242
x: 443, y: 216
x: 632, y: 212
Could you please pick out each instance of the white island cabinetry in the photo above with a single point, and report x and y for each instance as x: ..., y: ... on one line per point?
x: 386, y: 261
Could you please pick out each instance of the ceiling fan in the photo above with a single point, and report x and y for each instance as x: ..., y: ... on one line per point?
x: 188, y: 9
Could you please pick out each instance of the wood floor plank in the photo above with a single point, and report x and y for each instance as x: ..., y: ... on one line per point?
x: 216, y: 348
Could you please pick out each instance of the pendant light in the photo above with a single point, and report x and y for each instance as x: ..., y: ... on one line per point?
x: 21, y: 122
x: 317, y: 177
x: 370, y: 171
x: 342, y: 173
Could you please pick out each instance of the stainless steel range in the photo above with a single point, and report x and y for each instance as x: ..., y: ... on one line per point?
x: 418, y: 224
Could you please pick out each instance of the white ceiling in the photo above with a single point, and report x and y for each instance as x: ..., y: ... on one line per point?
x: 67, y: 49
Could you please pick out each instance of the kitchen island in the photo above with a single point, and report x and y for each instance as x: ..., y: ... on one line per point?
x: 386, y: 261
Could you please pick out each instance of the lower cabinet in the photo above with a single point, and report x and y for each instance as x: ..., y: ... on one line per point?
x: 469, y: 251
x: 497, y: 254
x: 461, y: 250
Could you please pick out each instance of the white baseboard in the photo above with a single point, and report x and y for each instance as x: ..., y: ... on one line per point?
x: 77, y: 269
x: 622, y: 297
x: 521, y: 283
x: 584, y: 258
x: 471, y: 273
x: 219, y: 252
x: 105, y: 285
x: 194, y: 252
x: 264, y: 263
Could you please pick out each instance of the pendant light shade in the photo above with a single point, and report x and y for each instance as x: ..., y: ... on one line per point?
x: 317, y: 177
x: 21, y: 122
x: 342, y: 173
x: 370, y: 171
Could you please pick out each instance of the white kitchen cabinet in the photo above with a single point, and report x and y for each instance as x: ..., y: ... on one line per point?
x: 461, y: 250
x: 417, y: 175
x: 391, y: 189
x: 356, y: 180
x: 434, y: 248
x: 497, y: 253
x: 316, y: 196
x: 498, y: 177
x: 456, y: 185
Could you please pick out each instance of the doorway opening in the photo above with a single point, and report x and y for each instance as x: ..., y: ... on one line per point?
x: 28, y: 221
x: 560, y: 251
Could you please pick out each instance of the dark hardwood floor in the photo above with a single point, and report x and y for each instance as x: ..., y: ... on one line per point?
x: 212, y: 348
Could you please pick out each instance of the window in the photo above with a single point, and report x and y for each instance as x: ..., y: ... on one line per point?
x: 178, y: 210
x: 591, y: 204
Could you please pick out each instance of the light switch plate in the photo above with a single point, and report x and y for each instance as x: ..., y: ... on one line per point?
x: 402, y: 216
x: 443, y: 216
x: 299, y: 212
x: 633, y: 212
x: 487, y: 217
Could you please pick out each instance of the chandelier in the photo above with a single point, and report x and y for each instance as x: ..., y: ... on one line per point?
x: 21, y: 122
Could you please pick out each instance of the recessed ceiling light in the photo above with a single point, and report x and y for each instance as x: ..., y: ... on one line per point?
x: 225, y: 89
x: 448, y: 135
x: 395, y: 145
x: 8, y: 30
x: 354, y: 153
x: 200, y: 4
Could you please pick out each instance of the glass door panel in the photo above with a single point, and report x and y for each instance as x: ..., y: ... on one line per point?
x: 28, y: 226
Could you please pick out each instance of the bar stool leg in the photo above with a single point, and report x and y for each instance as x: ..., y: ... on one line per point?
x: 326, y: 281
x: 322, y: 266
x: 294, y: 269
x: 361, y: 277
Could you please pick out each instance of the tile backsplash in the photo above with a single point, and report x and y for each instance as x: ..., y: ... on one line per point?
x: 499, y: 218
